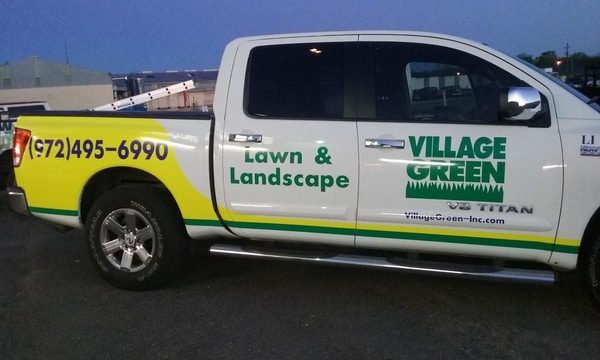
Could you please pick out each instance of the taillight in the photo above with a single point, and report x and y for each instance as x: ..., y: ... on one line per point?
x: 19, y: 145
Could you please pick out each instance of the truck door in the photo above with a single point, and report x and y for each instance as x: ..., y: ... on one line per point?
x: 439, y: 170
x: 289, y: 154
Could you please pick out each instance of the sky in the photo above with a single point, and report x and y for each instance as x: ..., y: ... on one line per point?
x: 129, y: 36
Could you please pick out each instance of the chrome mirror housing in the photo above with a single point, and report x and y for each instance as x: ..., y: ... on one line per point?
x: 520, y: 104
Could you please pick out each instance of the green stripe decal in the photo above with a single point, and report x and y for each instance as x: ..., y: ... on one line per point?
x: 430, y: 237
x: 202, y: 222
x: 54, y: 211
x: 469, y: 240
x: 569, y: 249
x: 455, y: 239
x: 290, y: 227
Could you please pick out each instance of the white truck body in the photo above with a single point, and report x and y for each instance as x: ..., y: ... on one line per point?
x: 404, y: 152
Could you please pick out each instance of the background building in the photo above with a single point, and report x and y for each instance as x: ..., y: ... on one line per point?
x: 62, y: 86
x: 68, y: 87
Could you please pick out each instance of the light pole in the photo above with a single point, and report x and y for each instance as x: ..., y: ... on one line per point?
x: 558, y: 62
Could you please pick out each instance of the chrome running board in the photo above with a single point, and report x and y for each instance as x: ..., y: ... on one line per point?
x: 484, y: 272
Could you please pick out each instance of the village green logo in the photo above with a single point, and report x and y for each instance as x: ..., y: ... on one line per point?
x: 466, y: 169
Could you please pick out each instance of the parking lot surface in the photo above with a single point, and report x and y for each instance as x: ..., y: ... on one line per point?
x: 53, y: 305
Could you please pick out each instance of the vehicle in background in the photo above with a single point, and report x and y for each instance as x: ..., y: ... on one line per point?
x: 576, y: 81
x: 8, y: 116
x: 427, y: 93
x: 592, y: 83
x: 453, y: 91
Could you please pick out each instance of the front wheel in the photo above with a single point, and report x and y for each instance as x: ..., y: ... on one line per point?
x: 135, y: 238
x: 591, y: 269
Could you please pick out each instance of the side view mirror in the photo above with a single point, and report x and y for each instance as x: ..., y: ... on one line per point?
x: 520, y: 104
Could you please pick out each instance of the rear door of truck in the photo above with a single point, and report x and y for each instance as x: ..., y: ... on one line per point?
x: 289, y: 154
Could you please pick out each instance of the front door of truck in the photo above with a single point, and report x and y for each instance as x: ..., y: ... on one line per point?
x: 439, y: 170
x: 289, y: 154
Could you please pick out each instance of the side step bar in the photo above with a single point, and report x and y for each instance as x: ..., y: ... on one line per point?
x: 484, y: 272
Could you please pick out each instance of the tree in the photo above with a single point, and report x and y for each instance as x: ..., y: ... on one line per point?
x: 526, y: 57
x: 593, y: 61
x: 547, y: 59
x: 577, y: 62
x: 575, y: 65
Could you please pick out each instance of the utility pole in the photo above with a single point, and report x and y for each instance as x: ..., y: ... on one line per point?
x: 68, y: 75
x: 66, y: 53
x: 567, y: 58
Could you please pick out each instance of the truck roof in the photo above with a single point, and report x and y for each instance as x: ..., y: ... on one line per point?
x: 359, y: 33
x: 429, y: 35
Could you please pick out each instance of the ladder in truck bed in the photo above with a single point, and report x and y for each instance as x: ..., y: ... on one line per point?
x: 145, y: 97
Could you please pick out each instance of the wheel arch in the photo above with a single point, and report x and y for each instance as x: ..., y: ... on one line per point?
x: 111, y: 178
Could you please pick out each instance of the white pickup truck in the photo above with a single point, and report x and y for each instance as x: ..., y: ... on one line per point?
x: 399, y: 150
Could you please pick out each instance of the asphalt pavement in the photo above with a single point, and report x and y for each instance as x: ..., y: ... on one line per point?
x: 54, y: 306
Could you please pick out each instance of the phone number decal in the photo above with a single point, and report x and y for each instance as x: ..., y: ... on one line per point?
x: 69, y: 148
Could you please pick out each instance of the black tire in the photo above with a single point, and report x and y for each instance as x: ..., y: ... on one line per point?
x: 135, y: 237
x: 7, y: 174
x: 10, y: 178
x: 591, y: 269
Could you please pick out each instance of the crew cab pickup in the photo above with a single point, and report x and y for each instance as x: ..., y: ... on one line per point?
x: 399, y: 150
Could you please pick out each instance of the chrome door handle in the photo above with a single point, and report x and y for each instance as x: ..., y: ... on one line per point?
x: 254, y: 138
x: 384, y: 143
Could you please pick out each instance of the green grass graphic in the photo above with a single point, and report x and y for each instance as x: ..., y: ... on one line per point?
x: 445, y: 191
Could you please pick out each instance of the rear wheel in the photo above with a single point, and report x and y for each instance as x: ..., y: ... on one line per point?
x: 135, y: 238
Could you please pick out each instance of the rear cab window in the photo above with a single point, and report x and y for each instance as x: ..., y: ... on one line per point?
x: 298, y: 81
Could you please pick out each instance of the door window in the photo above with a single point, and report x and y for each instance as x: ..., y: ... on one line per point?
x: 418, y: 82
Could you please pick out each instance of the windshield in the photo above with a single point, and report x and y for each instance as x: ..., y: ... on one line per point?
x: 564, y: 85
